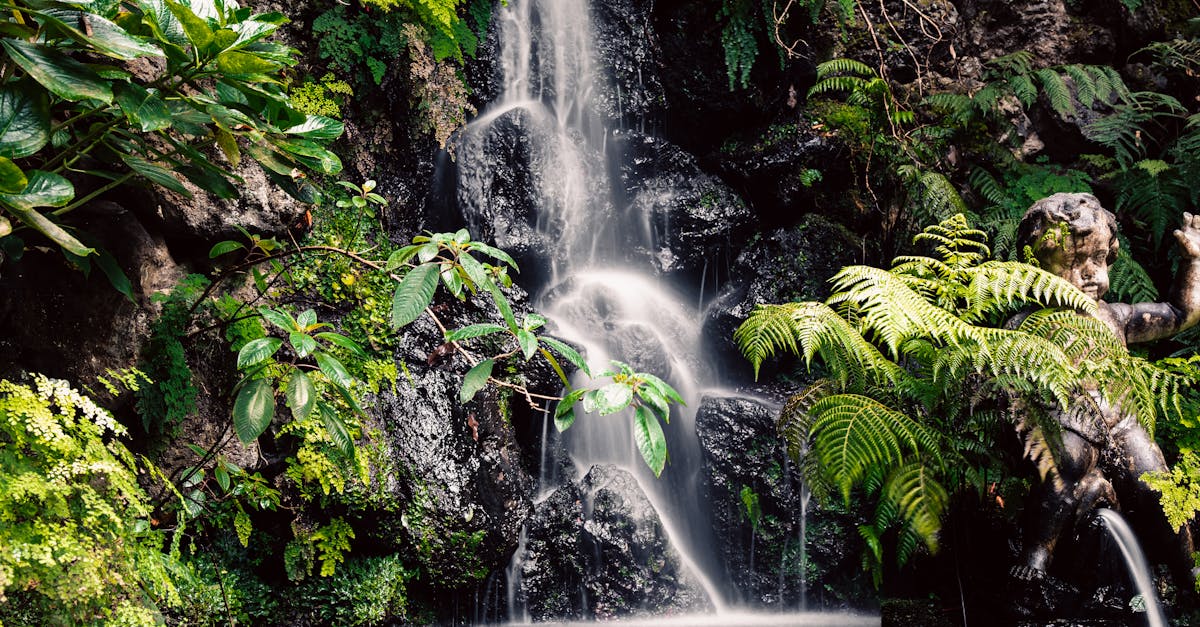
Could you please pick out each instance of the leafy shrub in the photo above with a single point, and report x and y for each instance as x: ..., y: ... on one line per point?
x: 363, y: 591
x: 74, y: 523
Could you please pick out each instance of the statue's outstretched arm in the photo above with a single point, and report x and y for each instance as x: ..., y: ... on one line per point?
x: 1151, y: 321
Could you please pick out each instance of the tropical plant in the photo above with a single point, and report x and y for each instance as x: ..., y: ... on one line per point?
x: 110, y: 93
x: 920, y: 364
x: 76, y: 525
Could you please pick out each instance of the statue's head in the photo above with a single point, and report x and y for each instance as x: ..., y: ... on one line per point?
x: 1074, y: 237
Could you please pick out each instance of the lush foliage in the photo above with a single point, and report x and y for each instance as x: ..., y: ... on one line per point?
x: 917, y: 358
x: 188, y: 77
x: 75, y: 524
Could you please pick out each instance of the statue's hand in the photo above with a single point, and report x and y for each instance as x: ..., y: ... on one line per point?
x: 1189, y: 236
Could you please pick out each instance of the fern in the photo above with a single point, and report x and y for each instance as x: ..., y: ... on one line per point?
x: 1057, y: 92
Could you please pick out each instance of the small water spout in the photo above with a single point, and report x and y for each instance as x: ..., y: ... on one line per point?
x: 1139, y: 569
x: 518, y: 612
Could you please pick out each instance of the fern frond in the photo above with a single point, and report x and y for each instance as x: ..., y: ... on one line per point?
x: 852, y: 433
x: 1056, y: 92
x: 1023, y: 88
x: 998, y: 287
x: 1084, y: 83
x: 920, y: 499
x: 843, y: 65
x: 987, y: 186
x: 1020, y: 62
x: 1130, y: 281
x: 1152, y: 191
x: 937, y: 198
x: 850, y: 84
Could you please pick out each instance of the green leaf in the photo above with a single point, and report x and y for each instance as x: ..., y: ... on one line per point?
x: 195, y: 27
x: 253, y: 410
x: 156, y: 174
x: 343, y: 341
x: 656, y: 400
x: 474, y: 330
x: 533, y: 322
x: 44, y: 189
x: 306, y: 319
x: 613, y: 398
x: 414, y: 294
x: 400, y: 257
x: 651, y: 442
x: 301, y: 395
x: 228, y: 145
x: 475, y: 271
x: 279, y: 318
x: 450, y: 278
x: 222, y: 476
x: 337, y: 430
x: 303, y: 343
x: 24, y: 120
x: 243, y: 63
x: 564, y: 413
x: 565, y: 350
x: 528, y: 343
x: 318, y: 127
x: 334, y: 369
x: 503, y: 306
x: 227, y: 246
x: 5, y: 227
x: 211, y: 182
x: 164, y: 24
x: 43, y: 225
x: 115, y: 275
x: 495, y: 253
x: 257, y: 351
x: 475, y: 380
x: 662, y: 387
x: 562, y: 376
x: 12, y: 179
x: 105, y: 37
x: 66, y: 77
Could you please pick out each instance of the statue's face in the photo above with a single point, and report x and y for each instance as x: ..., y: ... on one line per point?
x: 1082, y: 259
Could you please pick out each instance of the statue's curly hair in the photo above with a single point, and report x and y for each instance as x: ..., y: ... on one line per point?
x: 1078, y: 212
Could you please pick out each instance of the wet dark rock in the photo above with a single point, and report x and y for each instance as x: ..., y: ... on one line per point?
x: 596, y: 549
x: 627, y: 48
x: 695, y: 217
x: 777, y: 267
x: 507, y: 167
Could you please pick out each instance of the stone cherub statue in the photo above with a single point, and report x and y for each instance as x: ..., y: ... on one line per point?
x: 1102, y: 443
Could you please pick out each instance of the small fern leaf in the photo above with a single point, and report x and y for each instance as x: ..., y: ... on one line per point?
x: 920, y: 500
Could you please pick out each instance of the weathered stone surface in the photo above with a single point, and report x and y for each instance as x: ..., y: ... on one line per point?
x: 597, y: 550
x: 693, y: 216
x: 627, y: 47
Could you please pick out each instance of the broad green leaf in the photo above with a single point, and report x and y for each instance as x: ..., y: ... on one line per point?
x: 475, y: 271
x: 502, y: 304
x: 24, y: 120
x: 474, y: 330
x: 427, y: 251
x: 12, y: 179
x: 195, y: 27
x: 253, y: 410
x: 566, y: 351
x: 281, y: 319
x: 613, y: 398
x: 223, y: 39
x: 164, y: 23
x: 145, y: 109
x: 651, y: 442
x: 156, y: 174
x: 311, y: 154
x: 227, y: 246
x: 318, y: 127
x: 451, y: 279
x: 228, y: 145
x: 400, y: 257
x: 64, y: 76
x: 301, y: 395
x: 104, y: 36
x: 562, y: 376
x: 211, y: 182
x: 44, y: 189
x: 564, y: 413
x: 476, y: 379
x: 306, y: 319
x: 414, y: 294
x: 43, y: 225
x: 334, y: 369
x: 303, y: 343
x: 343, y: 341
x: 495, y: 253
x: 243, y: 63
x: 528, y: 343
x: 350, y: 400
x: 253, y: 30
x: 337, y: 430
x: 115, y: 275
x: 662, y: 387
x: 656, y: 401
x: 257, y: 351
x: 534, y: 321
x: 5, y: 227
x: 222, y: 476
x: 462, y: 236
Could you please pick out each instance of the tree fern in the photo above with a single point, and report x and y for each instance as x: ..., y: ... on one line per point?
x: 921, y: 365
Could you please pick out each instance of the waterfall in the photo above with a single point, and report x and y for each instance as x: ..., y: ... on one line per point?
x: 598, y: 294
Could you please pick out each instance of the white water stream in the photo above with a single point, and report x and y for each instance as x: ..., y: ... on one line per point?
x: 1135, y: 560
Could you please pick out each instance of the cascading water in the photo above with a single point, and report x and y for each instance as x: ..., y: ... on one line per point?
x: 543, y: 143
x: 598, y: 295
x: 1135, y: 560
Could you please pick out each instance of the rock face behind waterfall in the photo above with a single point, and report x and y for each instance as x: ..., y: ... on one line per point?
x: 757, y: 501
x: 596, y: 549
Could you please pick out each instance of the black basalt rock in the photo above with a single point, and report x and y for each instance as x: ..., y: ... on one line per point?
x: 596, y: 549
